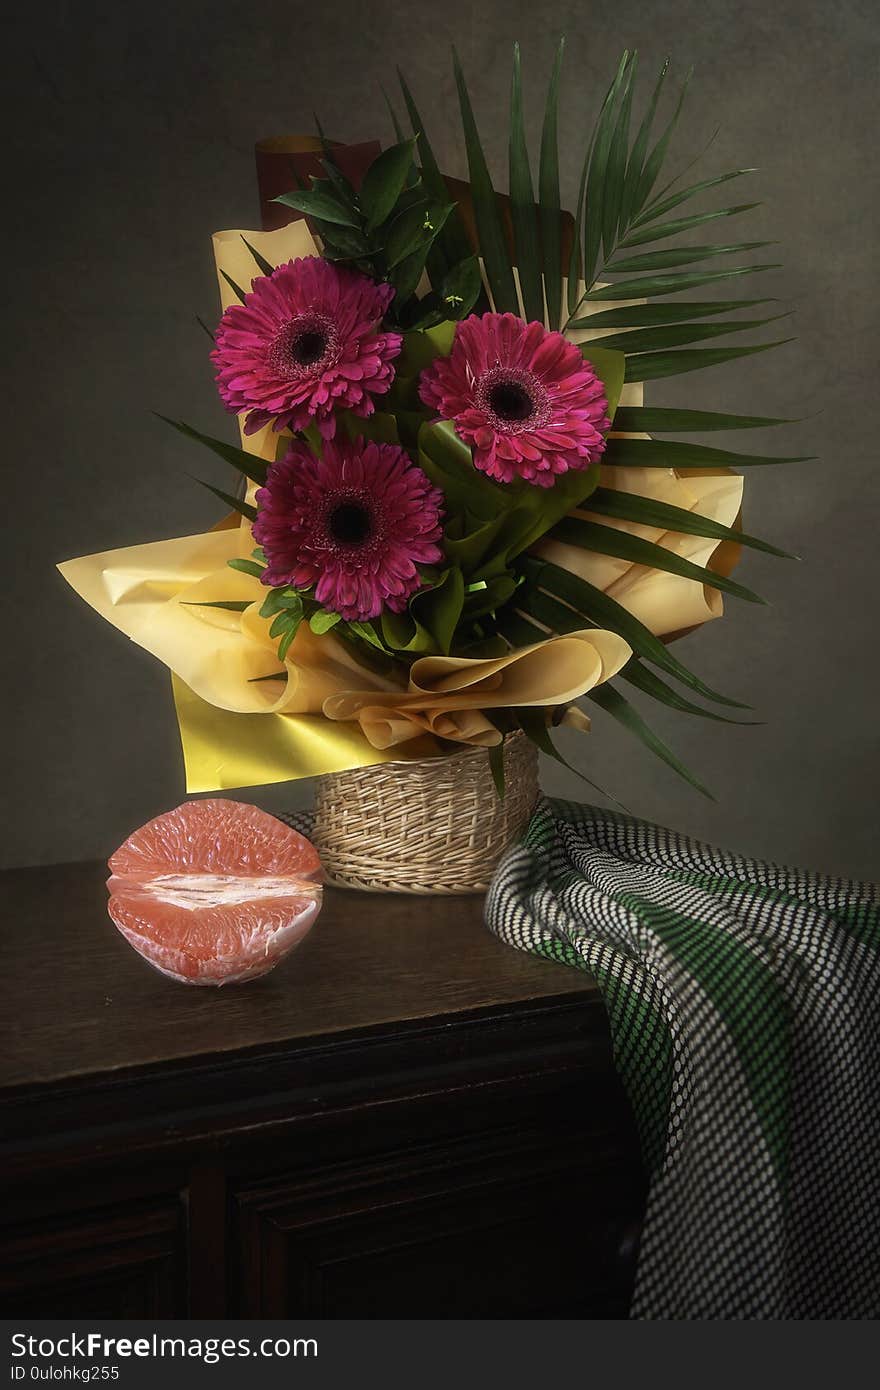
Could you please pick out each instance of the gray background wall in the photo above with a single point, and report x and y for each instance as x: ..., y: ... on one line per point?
x: 129, y: 140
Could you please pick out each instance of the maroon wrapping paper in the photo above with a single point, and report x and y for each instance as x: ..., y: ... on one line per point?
x: 281, y: 159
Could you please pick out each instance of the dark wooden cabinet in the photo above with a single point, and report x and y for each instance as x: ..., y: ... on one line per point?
x: 405, y: 1119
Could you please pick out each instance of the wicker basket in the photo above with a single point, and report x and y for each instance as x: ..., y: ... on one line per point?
x: 435, y: 826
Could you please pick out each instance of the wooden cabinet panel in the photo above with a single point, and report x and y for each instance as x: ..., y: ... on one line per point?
x: 118, y: 1263
x: 521, y: 1233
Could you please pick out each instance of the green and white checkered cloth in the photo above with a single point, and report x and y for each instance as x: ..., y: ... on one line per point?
x: 744, y: 1005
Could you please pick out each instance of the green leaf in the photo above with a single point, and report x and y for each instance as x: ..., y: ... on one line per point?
x: 252, y: 467
x: 367, y: 633
x: 453, y: 242
x: 320, y: 205
x: 549, y: 198
x: 672, y: 453
x: 599, y: 608
x: 533, y: 723
x: 493, y: 244
x: 414, y: 230
x: 636, y: 160
x: 460, y: 288
x: 645, y: 419
x: 611, y: 367
x: 279, y: 601
x: 659, y: 208
x: 651, y: 684
x: 246, y: 567
x: 287, y: 637
x: 322, y: 621
x: 236, y: 289
x: 384, y: 182
x: 608, y: 540
x: 615, y: 704
x: 601, y: 146
x: 674, y: 281
x: 344, y: 244
x: 496, y: 767
x: 575, y: 263
x: 651, y: 315
x: 615, y: 169
x: 677, y: 256
x: 647, y: 511
x: 649, y: 366
x: 236, y: 503
x: 265, y: 267
x: 654, y: 162
x: 683, y: 224
x: 676, y: 335
x: 230, y: 605
x: 524, y: 213
x: 283, y: 622
x: 438, y: 608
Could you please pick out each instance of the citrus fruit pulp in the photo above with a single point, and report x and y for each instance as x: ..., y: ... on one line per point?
x: 215, y: 891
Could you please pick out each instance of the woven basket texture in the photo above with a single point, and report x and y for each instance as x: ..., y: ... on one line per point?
x: 436, y: 826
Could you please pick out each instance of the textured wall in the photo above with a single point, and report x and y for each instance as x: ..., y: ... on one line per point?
x: 136, y: 130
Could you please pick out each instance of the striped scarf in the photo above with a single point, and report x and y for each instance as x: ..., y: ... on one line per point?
x: 744, y: 1006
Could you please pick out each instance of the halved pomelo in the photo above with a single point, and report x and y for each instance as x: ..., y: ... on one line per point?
x: 215, y: 891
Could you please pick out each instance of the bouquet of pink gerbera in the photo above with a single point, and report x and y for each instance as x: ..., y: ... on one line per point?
x: 455, y: 521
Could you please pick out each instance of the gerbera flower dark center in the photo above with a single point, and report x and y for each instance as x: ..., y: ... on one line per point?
x: 308, y: 347
x: 510, y: 401
x: 350, y: 523
x: 304, y: 346
x: 513, y: 400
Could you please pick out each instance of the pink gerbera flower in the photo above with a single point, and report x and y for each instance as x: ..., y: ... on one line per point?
x: 306, y: 341
x: 523, y: 398
x: 354, y: 523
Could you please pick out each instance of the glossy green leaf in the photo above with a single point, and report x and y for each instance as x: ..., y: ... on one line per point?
x: 460, y: 288
x: 322, y: 621
x: 678, y: 256
x: 414, y: 230
x: 649, y: 366
x: 609, y: 540
x: 599, y: 608
x: 658, y: 419
x: 575, y: 264
x: 677, y: 335
x: 281, y: 600
x: 384, y: 182
x: 601, y: 146
x: 647, y: 511
x: 453, y: 240
x: 659, y: 206
x: 672, y: 453
x: 438, y: 608
x: 523, y: 210
x: 615, y: 704
x: 615, y: 169
x: 673, y: 282
x: 649, y: 315
x: 246, y: 567
x: 636, y: 161
x: 493, y: 243
x: 252, y: 467
x: 659, y: 232
x: 549, y: 198
x: 320, y: 205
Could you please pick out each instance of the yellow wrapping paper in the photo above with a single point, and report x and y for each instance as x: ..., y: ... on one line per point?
x: 241, y: 726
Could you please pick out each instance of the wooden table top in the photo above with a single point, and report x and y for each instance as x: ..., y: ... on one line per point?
x: 79, y: 1002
